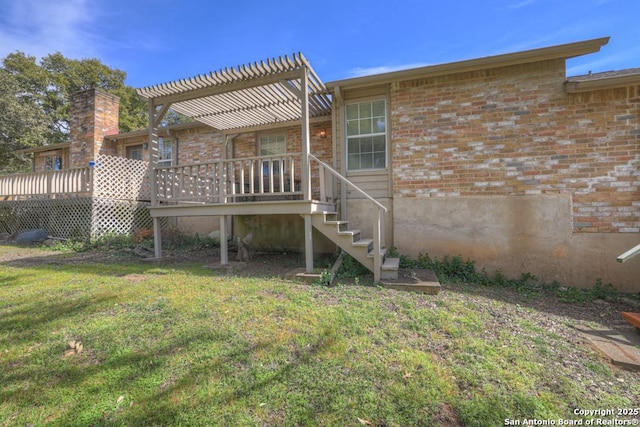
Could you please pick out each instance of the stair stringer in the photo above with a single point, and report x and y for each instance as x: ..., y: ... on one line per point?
x: 348, y: 240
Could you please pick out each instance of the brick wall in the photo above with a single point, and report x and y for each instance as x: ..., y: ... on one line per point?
x: 199, y: 145
x: 514, y: 131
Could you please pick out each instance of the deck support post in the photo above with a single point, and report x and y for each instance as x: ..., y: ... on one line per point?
x: 157, y: 238
x: 308, y: 243
x: 224, y: 247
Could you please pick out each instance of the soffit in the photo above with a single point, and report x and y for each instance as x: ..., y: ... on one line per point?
x: 258, y: 94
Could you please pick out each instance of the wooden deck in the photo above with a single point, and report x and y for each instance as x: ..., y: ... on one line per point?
x: 271, y: 207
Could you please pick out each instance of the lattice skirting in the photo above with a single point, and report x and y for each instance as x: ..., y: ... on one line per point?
x: 75, y: 218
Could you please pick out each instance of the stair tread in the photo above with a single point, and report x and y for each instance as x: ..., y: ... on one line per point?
x: 391, y: 264
x: 331, y: 222
x: 363, y: 242
x: 352, y: 232
x: 382, y: 252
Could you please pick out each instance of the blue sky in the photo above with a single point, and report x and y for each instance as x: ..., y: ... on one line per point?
x: 156, y: 41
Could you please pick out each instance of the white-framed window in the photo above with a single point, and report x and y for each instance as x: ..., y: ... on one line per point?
x: 272, y: 145
x: 134, y: 152
x: 165, y: 152
x: 53, y: 163
x: 366, y: 124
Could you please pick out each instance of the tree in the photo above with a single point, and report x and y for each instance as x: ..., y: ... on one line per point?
x: 49, y: 84
x: 23, y: 124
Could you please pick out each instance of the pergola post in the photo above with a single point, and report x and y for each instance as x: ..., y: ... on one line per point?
x: 155, y: 118
x: 306, y: 168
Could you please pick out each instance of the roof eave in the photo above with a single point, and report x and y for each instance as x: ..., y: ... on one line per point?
x: 564, y: 51
x: 145, y: 131
x: 50, y: 147
x: 600, y: 84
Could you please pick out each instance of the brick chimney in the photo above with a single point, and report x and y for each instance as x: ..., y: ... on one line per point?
x: 93, y: 115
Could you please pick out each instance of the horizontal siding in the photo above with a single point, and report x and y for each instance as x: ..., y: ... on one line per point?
x: 376, y: 185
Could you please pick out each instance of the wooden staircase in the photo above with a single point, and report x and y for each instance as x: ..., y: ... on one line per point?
x: 351, y: 242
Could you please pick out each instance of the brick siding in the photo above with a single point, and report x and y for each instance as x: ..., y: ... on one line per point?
x: 514, y: 131
x: 93, y: 114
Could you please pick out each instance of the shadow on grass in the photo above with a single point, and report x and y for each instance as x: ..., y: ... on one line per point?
x: 215, y: 368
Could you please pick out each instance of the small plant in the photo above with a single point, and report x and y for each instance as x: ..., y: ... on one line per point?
x: 455, y: 269
x: 351, y: 269
x: 582, y: 296
x: 67, y: 246
x: 324, y: 279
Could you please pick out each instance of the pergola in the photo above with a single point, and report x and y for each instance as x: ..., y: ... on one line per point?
x: 277, y: 91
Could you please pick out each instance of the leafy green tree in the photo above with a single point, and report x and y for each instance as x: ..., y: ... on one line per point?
x: 23, y: 124
x: 35, y: 96
x: 50, y: 83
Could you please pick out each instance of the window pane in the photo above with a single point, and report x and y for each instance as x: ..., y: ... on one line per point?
x: 381, y: 125
x: 365, y: 109
x: 378, y: 143
x: 366, y: 145
x: 353, y: 146
x: 272, y: 145
x: 165, y: 151
x: 352, y: 127
x: 366, y: 161
x: 353, y: 162
x: 365, y: 126
x: 378, y: 108
x: 379, y: 160
x: 352, y: 111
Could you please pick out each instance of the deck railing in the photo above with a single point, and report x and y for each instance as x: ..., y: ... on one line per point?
x: 232, y: 180
x: 50, y: 184
x: 109, y: 177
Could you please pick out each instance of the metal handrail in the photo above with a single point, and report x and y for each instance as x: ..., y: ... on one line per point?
x: 346, y: 180
x: 378, y: 228
x: 629, y: 254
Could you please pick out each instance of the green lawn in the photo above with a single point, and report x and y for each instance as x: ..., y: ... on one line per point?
x: 186, y: 345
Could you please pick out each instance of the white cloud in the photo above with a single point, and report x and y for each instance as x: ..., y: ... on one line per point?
x: 360, y: 71
x: 40, y: 27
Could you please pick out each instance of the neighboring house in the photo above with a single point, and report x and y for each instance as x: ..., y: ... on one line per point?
x: 503, y: 160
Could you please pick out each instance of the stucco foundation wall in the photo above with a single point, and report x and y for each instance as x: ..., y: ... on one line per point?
x: 279, y: 232
x: 199, y: 225
x: 362, y: 214
x: 515, y: 234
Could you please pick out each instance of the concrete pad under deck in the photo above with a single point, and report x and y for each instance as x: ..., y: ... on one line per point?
x: 414, y: 280
x: 300, y: 275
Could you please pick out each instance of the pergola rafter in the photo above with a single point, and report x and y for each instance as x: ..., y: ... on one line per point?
x: 258, y: 94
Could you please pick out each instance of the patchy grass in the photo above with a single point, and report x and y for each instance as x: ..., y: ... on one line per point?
x: 184, y: 345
